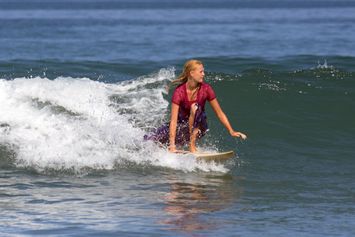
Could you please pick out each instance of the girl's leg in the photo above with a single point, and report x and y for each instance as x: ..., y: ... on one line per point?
x: 193, y: 140
x: 193, y: 131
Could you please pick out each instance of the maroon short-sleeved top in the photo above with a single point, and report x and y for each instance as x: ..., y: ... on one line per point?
x: 180, y: 98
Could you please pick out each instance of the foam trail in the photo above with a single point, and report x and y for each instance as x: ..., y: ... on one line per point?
x: 76, y: 123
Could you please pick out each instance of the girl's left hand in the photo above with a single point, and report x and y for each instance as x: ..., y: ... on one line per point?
x: 238, y: 134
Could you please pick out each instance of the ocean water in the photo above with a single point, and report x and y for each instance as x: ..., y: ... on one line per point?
x: 82, y: 81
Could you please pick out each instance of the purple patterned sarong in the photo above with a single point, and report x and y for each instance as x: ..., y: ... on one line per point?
x: 161, y: 134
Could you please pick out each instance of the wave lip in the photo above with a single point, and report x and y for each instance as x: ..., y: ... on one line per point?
x: 64, y: 122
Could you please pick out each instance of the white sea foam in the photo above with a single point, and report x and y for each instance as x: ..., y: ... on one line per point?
x: 75, y: 123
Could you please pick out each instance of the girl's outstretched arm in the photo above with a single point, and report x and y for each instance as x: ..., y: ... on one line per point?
x: 224, y: 120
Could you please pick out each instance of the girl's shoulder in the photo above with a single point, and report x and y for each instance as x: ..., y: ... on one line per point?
x: 180, y: 87
x: 207, y: 91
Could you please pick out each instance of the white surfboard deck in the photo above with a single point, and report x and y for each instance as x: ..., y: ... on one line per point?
x: 210, y: 156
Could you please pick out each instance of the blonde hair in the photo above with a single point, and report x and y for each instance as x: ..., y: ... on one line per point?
x: 188, y: 67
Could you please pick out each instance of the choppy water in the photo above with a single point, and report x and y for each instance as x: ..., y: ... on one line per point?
x: 81, y: 84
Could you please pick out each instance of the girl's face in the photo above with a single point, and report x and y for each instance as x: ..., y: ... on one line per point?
x: 198, y: 74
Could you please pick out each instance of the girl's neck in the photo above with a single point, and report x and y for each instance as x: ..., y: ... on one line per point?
x: 192, y: 85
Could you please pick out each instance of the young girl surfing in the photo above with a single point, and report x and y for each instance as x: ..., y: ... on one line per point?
x: 188, y: 120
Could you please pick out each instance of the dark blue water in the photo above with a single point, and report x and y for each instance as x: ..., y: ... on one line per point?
x: 82, y: 81
x: 159, y: 30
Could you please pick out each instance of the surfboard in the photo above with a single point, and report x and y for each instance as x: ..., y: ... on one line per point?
x: 217, y: 157
x: 210, y: 156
